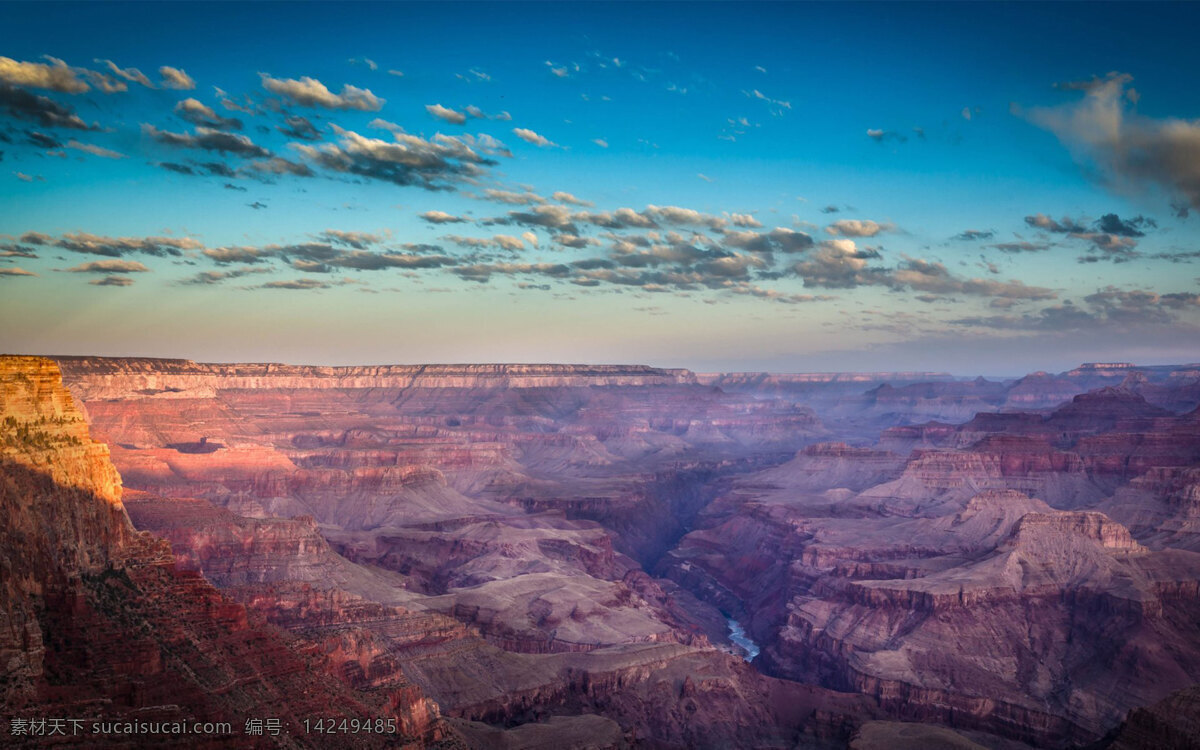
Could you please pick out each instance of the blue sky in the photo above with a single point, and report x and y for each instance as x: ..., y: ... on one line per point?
x: 968, y: 187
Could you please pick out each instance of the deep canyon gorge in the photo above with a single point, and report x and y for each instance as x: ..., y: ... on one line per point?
x: 553, y: 556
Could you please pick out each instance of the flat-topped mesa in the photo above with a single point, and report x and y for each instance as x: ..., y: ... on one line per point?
x: 119, y: 377
x: 775, y: 378
x: 1037, y: 528
x: 1093, y: 367
x: 838, y: 450
x: 42, y: 429
x: 1110, y: 403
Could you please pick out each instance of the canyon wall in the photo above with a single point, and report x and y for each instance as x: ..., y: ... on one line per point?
x: 99, y: 624
x: 96, y: 377
x: 474, y: 531
x: 518, y: 548
x: 1029, y: 575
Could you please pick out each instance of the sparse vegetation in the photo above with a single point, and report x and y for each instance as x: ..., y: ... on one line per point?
x: 30, y: 436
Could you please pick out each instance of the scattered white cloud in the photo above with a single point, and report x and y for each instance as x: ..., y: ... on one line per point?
x: 311, y: 92
x: 560, y: 71
x: 445, y: 113
x: 109, y: 266
x: 857, y: 228
x: 776, y: 104
x: 434, y: 164
x: 564, y: 197
x: 441, y: 217
x: 512, y: 197
x: 744, y: 220
x: 199, y: 113
x: 57, y: 76
x: 174, y: 78
x: 95, y: 150
x: 129, y: 74
x: 531, y: 137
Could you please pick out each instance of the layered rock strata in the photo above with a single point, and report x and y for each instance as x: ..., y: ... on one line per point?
x: 1030, y: 575
x: 98, y: 623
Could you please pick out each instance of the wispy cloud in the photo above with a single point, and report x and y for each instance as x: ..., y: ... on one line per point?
x: 114, y: 247
x: 208, y: 139
x: 1129, y: 149
x: 174, y: 78
x: 129, y: 74
x: 563, y: 196
x: 777, y: 105
x: 880, y: 136
x: 295, y: 126
x: 531, y: 137
x: 434, y: 164
x: 974, y: 235
x: 199, y: 113
x: 445, y: 113
x: 1109, y: 237
x: 441, y: 217
x: 109, y: 266
x: 95, y: 150
x: 56, y: 76
x: 857, y: 228
x: 311, y: 92
x: 112, y: 281
x: 24, y: 105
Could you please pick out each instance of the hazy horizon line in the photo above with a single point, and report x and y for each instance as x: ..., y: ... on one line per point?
x: 693, y: 370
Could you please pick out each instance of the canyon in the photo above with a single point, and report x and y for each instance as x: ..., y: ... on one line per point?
x: 605, y: 555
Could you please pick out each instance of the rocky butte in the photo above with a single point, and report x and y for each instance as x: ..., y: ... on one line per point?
x: 552, y: 555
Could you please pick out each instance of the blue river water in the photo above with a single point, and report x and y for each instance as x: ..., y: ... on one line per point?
x: 737, y: 634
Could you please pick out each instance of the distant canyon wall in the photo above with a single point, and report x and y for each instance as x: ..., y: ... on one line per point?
x: 100, y: 378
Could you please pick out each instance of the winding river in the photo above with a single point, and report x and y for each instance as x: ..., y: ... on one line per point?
x: 737, y: 634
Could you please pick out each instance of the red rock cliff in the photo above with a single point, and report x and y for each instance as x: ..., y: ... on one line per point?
x: 97, y: 623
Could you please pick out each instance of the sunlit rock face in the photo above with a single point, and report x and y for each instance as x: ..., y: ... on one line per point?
x: 44, y: 429
x: 61, y: 513
x: 541, y: 553
x: 96, y: 620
